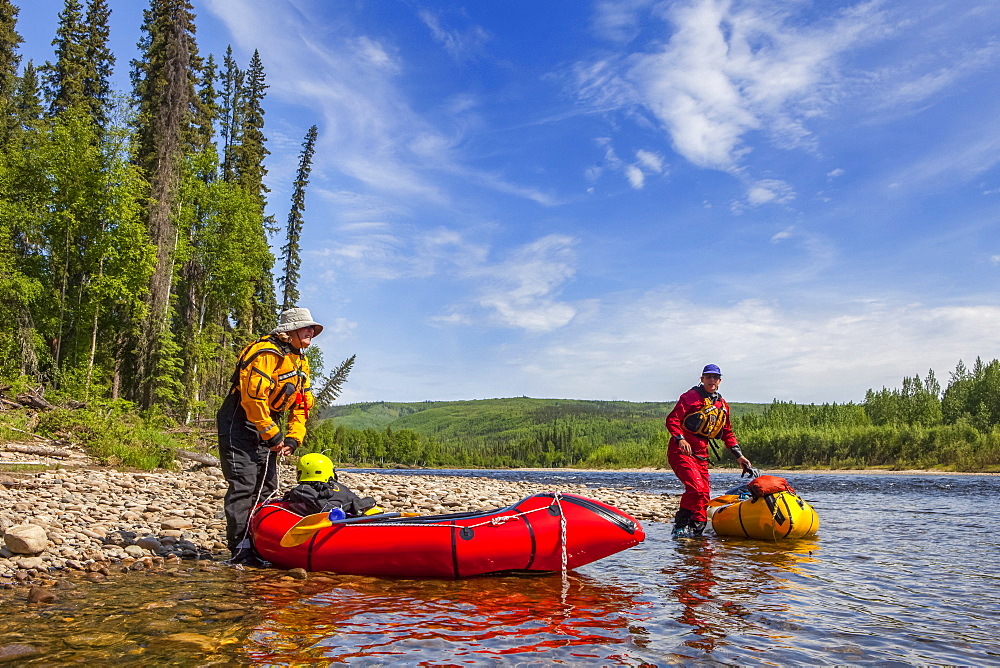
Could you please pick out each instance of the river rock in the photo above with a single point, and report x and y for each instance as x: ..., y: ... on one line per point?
x: 41, y: 595
x: 26, y: 539
x: 176, y: 523
x: 149, y: 543
x: 120, y: 538
x: 134, y: 551
x: 16, y: 651
x: 32, y: 562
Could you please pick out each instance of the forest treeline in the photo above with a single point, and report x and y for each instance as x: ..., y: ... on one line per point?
x: 920, y: 425
x: 134, y: 254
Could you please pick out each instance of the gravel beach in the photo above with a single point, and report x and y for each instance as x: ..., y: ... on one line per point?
x: 83, y: 517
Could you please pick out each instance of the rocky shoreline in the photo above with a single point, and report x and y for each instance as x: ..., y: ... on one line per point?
x: 97, y: 519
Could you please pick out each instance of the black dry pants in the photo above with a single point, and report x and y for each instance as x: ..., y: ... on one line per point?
x: 248, y: 466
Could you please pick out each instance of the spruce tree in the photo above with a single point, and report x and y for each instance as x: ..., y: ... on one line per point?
x: 252, y: 149
x: 65, y: 79
x: 100, y: 61
x: 230, y: 119
x: 27, y: 106
x: 249, y: 172
x: 9, y: 61
x: 163, y: 86
x: 290, y: 251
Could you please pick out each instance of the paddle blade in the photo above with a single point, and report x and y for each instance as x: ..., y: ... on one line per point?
x: 304, y: 529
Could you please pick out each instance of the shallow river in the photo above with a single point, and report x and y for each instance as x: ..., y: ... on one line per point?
x: 904, y: 571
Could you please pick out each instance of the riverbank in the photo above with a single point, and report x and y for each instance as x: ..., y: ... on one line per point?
x: 90, y: 518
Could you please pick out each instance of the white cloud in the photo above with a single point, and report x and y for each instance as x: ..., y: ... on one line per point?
x: 652, y: 347
x: 618, y: 20
x: 647, y: 162
x: 995, y: 259
x: 650, y: 160
x: 379, y: 251
x: 728, y: 69
x: 913, y: 83
x: 369, y: 131
x: 783, y: 234
x: 635, y: 176
x: 834, y: 173
x: 765, y: 191
x: 522, y: 291
x: 462, y: 45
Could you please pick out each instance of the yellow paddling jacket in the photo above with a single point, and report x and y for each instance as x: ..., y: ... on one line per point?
x: 273, y: 377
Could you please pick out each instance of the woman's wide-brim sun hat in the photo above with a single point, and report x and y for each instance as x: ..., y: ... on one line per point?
x: 296, y: 318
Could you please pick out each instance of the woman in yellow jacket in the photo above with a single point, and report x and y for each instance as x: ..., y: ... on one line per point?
x: 271, y: 378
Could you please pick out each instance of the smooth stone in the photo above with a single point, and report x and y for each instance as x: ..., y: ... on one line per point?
x: 176, y: 523
x: 135, y: 551
x: 32, y: 562
x: 41, y: 595
x: 26, y: 539
x: 16, y: 651
x: 148, y: 543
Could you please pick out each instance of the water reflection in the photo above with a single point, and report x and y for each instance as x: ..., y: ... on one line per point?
x: 725, y: 589
x: 525, y: 618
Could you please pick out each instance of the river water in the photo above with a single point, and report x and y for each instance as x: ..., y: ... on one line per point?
x: 903, y: 572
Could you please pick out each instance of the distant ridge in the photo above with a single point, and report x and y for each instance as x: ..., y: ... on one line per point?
x: 505, y: 417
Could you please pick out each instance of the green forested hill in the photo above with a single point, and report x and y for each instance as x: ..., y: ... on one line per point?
x: 447, y: 420
x: 918, y: 426
x: 557, y: 431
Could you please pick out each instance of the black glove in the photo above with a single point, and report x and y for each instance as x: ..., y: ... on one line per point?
x: 750, y: 473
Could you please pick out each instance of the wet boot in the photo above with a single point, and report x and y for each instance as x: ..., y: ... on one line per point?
x: 681, y: 522
x: 244, y: 555
x: 697, y: 529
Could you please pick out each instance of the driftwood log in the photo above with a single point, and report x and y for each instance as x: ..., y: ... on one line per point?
x: 39, y: 450
x: 34, y: 399
x: 200, y: 457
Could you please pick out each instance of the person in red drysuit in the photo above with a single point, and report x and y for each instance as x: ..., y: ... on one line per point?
x: 699, y: 415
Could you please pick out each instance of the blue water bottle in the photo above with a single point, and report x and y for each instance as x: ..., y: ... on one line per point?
x: 337, y: 514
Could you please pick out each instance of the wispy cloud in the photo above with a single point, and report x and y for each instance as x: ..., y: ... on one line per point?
x: 462, y: 44
x: 369, y: 130
x: 646, y: 163
x: 523, y: 290
x: 520, y: 290
x: 726, y: 72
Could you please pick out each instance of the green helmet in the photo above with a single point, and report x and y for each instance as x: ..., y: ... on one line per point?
x: 315, y: 466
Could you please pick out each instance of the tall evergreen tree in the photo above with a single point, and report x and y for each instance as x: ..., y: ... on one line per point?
x: 65, y: 79
x: 100, y: 61
x: 9, y: 61
x: 249, y: 172
x: 164, y: 89
x: 206, y: 110
x: 230, y: 118
x: 27, y: 106
x: 252, y: 150
x: 290, y: 251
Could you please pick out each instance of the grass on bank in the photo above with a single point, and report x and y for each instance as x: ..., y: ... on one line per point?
x: 113, y: 433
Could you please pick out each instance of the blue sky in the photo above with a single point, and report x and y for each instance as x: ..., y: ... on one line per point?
x: 592, y: 200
